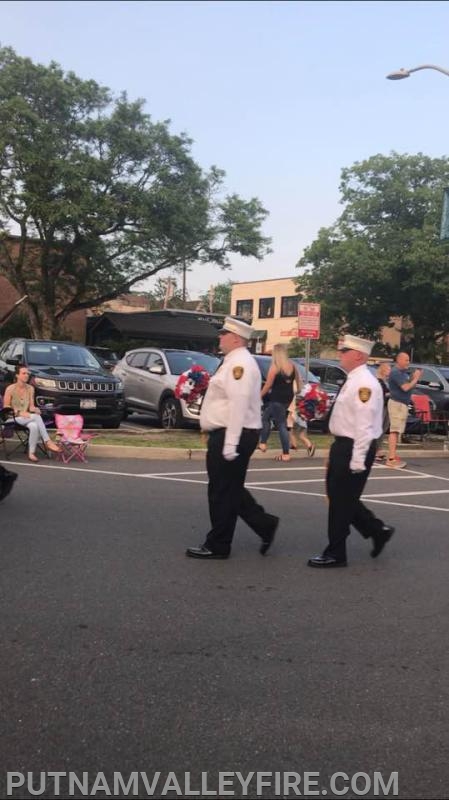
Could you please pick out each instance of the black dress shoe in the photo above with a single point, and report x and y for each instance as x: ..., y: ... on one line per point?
x: 381, y: 539
x: 7, y: 480
x: 204, y: 552
x: 267, y: 538
x: 326, y: 561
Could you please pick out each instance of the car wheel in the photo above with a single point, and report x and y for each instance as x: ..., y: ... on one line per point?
x: 170, y: 415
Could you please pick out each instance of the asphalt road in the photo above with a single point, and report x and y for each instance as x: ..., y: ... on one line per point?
x: 121, y: 655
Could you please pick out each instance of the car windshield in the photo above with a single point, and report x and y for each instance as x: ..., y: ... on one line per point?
x: 55, y: 354
x: 180, y: 362
x: 265, y: 362
x: 445, y: 372
x: 103, y: 352
x: 311, y: 378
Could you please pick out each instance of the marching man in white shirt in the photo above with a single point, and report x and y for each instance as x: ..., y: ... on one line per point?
x: 231, y: 414
x: 356, y: 423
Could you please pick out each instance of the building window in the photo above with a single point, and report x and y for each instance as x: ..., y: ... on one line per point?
x: 244, y: 309
x: 266, y: 307
x: 289, y: 306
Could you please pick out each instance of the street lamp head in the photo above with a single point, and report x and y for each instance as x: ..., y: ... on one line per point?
x: 398, y: 75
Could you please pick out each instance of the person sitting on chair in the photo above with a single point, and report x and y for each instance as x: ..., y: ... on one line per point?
x: 20, y: 397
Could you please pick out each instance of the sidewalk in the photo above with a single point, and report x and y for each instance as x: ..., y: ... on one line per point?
x: 426, y: 450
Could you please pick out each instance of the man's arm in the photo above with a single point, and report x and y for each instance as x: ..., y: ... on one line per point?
x: 412, y: 382
x: 269, y: 381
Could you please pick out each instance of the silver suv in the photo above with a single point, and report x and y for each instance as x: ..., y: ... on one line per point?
x: 149, y: 377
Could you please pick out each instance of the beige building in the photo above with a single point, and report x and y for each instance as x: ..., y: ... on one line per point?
x: 272, y: 305
x: 272, y: 308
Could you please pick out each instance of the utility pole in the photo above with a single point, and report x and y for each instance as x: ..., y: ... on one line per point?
x: 211, y: 298
x: 168, y: 291
x: 184, y: 292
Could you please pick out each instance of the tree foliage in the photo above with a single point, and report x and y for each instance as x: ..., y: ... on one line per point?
x: 100, y: 197
x: 383, y: 257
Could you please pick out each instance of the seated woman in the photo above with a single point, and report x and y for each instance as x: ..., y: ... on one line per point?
x: 20, y: 397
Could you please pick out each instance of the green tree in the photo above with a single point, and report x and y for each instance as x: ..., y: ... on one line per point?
x: 100, y: 197
x: 218, y: 298
x: 383, y: 257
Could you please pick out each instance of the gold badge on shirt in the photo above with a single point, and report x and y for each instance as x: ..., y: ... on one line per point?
x: 364, y: 395
x: 237, y: 372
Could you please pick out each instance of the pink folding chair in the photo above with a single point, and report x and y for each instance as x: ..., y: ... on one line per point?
x: 70, y: 437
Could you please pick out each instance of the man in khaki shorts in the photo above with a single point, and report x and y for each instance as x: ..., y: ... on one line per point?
x: 401, y: 387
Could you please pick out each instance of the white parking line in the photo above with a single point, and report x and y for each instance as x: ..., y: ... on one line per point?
x: 406, y: 505
x: 320, y: 479
x: 187, y: 476
x: 406, y: 494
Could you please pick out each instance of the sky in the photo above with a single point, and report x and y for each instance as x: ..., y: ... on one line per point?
x: 281, y: 95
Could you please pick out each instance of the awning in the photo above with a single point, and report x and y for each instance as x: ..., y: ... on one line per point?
x: 142, y: 324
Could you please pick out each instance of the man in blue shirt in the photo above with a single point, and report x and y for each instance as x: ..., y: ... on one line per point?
x: 401, y: 386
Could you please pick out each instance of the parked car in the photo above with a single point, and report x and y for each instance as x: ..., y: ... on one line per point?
x: 107, y: 358
x: 149, y: 378
x: 434, y: 382
x: 329, y: 371
x: 67, y: 379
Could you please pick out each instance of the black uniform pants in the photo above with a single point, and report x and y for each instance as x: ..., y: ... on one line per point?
x: 228, y: 498
x: 7, y: 479
x: 344, y: 489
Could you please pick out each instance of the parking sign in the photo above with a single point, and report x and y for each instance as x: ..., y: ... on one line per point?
x: 309, y: 320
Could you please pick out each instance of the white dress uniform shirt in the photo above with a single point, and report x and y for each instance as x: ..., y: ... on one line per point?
x: 358, y: 413
x: 232, y: 400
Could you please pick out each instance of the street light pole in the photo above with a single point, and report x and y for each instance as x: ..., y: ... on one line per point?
x: 405, y: 73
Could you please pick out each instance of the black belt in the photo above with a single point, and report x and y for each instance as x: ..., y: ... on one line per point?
x: 348, y: 439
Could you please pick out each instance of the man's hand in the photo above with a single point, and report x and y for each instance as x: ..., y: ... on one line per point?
x: 417, y: 374
x: 229, y: 452
x: 356, y: 468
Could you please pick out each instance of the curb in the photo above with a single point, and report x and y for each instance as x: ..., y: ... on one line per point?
x: 173, y: 453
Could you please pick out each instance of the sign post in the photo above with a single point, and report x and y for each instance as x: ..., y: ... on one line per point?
x: 308, y: 326
x: 444, y: 231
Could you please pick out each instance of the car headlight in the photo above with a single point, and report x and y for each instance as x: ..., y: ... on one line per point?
x: 45, y: 383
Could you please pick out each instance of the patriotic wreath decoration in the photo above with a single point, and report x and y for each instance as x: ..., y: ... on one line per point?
x: 192, y: 384
x: 312, y: 402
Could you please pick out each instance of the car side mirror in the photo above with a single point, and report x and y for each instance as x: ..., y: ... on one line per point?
x: 14, y: 362
x: 157, y: 370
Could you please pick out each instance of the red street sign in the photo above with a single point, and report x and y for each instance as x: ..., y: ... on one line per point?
x: 309, y: 320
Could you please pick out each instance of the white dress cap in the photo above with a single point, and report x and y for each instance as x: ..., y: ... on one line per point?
x: 350, y: 342
x: 236, y: 326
